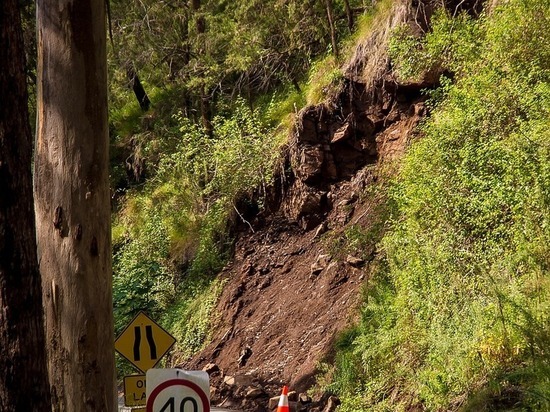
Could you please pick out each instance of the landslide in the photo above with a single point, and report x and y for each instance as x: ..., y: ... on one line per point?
x: 292, y: 285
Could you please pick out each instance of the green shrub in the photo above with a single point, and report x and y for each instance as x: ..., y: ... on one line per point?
x: 461, y: 310
x: 190, y: 319
x: 172, y: 234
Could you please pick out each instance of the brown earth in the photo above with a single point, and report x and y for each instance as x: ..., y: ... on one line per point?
x: 294, y: 284
x: 290, y: 290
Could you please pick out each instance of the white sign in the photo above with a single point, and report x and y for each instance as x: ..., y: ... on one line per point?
x: 176, y: 390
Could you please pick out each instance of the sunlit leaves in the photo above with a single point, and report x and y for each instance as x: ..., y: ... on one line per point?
x: 466, y: 289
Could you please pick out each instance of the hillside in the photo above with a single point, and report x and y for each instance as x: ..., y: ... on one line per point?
x: 391, y: 251
x: 292, y: 288
x: 295, y: 280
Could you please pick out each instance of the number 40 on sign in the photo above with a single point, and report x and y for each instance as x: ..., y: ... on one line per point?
x: 176, y: 390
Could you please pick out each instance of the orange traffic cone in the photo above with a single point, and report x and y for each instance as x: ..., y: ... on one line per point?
x: 283, y: 401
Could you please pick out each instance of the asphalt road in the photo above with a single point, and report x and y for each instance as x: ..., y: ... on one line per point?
x: 122, y: 408
x: 212, y: 409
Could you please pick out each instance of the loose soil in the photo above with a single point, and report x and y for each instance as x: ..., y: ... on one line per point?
x: 291, y: 286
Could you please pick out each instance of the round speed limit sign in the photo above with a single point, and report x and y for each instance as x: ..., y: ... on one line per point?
x: 176, y: 390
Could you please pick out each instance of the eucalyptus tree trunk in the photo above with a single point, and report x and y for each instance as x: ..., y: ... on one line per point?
x: 23, y: 373
x: 72, y: 203
x: 205, y: 97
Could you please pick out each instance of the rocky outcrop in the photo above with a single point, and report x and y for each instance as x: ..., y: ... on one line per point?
x: 333, y: 141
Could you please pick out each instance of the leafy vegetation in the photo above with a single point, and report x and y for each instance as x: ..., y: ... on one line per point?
x: 223, y: 79
x: 457, y: 314
x: 171, y: 237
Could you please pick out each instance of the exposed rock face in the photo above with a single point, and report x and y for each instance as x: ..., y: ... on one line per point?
x: 332, y: 142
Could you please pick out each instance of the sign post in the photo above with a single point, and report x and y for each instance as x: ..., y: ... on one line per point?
x: 176, y: 390
x: 144, y: 342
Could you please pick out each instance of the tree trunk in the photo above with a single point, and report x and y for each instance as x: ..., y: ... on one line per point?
x: 23, y: 372
x: 330, y: 18
x: 139, y: 91
x: 200, y: 22
x: 205, y: 98
x: 72, y: 203
x: 349, y: 15
x: 206, y: 112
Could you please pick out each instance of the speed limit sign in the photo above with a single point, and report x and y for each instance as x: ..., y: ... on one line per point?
x: 176, y: 390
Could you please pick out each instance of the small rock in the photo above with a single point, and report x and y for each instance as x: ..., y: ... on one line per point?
x: 352, y: 199
x: 229, y: 380
x: 316, y: 269
x: 355, y: 261
x: 293, y: 396
x: 322, y: 228
x: 298, y: 251
x: 255, y: 393
x: 244, y: 355
x: 320, y: 264
x: 264, y: 283
x: 304, y: 399
x: 227, y: 403
x: 211, y: 368
x: 332, y: 404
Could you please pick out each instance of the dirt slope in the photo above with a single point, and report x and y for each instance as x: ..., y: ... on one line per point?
x: 290, y: 289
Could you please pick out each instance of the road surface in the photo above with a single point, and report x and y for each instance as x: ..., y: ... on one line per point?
x: 212, y: 409
x: 122, y: 408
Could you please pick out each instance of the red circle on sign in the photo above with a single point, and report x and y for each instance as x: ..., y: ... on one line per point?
x: 178, y: 382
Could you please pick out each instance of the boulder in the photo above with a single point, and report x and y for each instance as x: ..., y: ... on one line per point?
x: 343, y: 133
x: 211, y: 368
x: 255, y: 393
x: 309, y: 162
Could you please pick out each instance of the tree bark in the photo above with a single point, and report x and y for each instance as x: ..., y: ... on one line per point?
x: 330, y: 18
x: 23, y: 373
x: 200, y: 22
x: 139, y: 91
x: 349, y: 15
x: 205, y: 98
x: 72, y: 203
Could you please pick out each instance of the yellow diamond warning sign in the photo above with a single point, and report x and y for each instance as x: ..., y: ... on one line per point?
x: 144, y: 342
